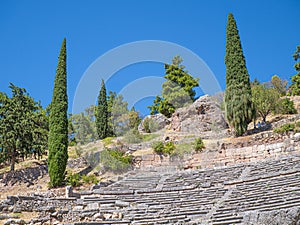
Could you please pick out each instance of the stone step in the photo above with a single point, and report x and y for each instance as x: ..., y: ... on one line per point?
x: 228, y: 222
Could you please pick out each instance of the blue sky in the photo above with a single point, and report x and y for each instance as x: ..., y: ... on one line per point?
x: 32, y: 32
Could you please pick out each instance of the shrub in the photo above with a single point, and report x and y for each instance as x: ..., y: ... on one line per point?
x: 285, y: 128
x: 115, y: 160
x: 133, y: 136
x: 199, y: 145
x: 164, y: 149
x: 158, y: 147
x: 73, y: 179
x: 169, y: 148
x: 90, y: 179
x: 286, y: 106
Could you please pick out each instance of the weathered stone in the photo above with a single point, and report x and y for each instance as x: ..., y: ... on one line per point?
x: 92, y: 206
x: 14, y: 221
x: 122, y: 203
x: 203, y: 115
x: 158, y: 122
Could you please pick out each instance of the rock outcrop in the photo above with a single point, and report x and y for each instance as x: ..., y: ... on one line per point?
x: 156, y: 122
x: 201, y: 116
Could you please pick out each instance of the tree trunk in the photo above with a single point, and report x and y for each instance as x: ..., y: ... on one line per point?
x: 13, y: 161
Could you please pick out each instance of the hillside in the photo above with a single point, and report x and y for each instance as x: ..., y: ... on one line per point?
x: 260, y: 170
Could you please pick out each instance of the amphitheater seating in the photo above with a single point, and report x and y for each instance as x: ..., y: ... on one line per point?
x: 204, y: 196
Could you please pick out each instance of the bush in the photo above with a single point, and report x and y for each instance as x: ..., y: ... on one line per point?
x: 73, y: 180
x: 133, y: 136
x: 286, y: 106
x: 115, y: 160
x: 164, y: 149
x: 169, y: 148
x: 158, y: 147
x: 90, y: 179
x: 285, y: 128
x: 199, y: 145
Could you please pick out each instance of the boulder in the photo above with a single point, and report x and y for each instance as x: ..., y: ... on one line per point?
x: 203, y: 115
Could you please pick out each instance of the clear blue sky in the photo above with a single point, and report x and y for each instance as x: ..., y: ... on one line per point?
x: 32, y: 32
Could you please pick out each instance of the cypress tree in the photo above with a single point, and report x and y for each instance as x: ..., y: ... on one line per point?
x: 238, y: 104
x: 102, y: 114
x: 58, y: 123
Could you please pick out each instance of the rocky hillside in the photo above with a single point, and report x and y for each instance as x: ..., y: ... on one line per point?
x: 247, y: 180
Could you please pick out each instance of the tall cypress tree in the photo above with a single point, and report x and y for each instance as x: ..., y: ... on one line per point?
x: 238, y: 103
x: 102, y: 114
x: 58, y: 123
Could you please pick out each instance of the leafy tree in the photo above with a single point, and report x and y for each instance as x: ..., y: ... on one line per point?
x: 110, y: 103
x: 102, y: 113
x: 279, y: 85
x: 23, y: 126
x: 265, y: 100
x: 238, y: 99
x: 119, y: 116
x: 134, y: 119
x: 285, y: 106
x: 58, y: 123
x: 295, y: 87
x: 175, y: 73
x: 177, y: 90
x: 255, y: 82
x: 83, y: 127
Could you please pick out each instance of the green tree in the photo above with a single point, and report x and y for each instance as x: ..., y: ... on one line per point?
x: 23, y: 126
x: 238, y: 99
x: 265, y: 100
x: 58, y: 123
x: 295, y: 87
x: 102, y: 113
x: 177, y: 90
x: 255, y: 82
x: 84, y: 128
x: 279, y: 85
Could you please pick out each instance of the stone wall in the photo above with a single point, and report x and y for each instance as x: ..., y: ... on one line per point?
x: 261, y: 146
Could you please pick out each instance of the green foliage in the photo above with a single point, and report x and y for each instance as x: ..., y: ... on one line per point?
x: 73, y: 179
x: 90, y: 179
x: 133, y: 136
x: 238, y: 98
x: 285, y: 128
x: 158, y: 147
x: 102, y: 114
x: 164, y: 149
x: 279, y: 85
x: 162, y: 106
x: 83, y: 128
x: 295, y: 86
x: 265, y: 100
x: 23, y: 126
x: 199, y: 145
x: 115, y: 160
x: 58, y: 123
x: 286, y: 106
x: 177, y: 91
x: 150, y: 125
x: 134, y: 119
x: 169, y: 148
x: 255, y: 82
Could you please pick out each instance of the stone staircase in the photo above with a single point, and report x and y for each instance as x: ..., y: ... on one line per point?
x: 225, y: 195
